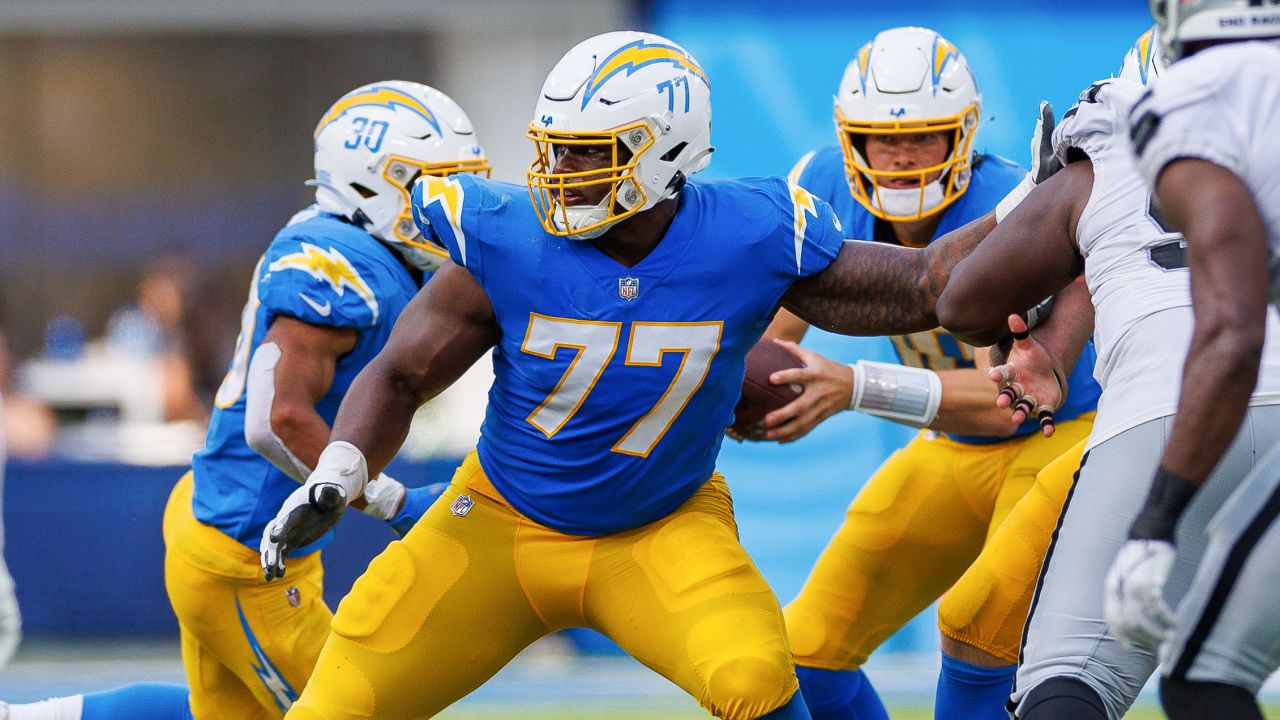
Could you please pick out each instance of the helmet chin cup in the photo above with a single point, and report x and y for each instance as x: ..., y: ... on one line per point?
x: 909, y: 202
x: 592, y: 217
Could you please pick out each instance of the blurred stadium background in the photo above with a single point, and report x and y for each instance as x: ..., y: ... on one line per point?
x: 149, y: 149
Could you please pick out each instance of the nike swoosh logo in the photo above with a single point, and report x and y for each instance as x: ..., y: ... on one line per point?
x: 324, y: 309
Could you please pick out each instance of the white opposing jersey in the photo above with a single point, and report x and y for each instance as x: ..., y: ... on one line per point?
x: 1136, y: 272
x: 1222, y: 105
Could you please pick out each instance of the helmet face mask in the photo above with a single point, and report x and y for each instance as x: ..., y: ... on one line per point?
x: 931, y: 196
x: 625, y: 195
x: 644, y: 103
x: 401, y: 173
x: 374, y: 143
x: 907, y: 81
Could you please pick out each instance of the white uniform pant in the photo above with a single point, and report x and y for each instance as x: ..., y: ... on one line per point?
x: 1066, y: 633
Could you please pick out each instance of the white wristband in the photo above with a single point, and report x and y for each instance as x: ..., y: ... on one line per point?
x: 343, y: 464
x: 382, y: 497
x: 903, y: 394
x: 1015, y: 196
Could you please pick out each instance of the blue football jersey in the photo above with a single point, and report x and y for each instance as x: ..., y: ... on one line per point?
x: 822, y: 172
x: 613, y: 385
x: 322, y: 270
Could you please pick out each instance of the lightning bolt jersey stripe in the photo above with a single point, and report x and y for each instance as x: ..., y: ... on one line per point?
x: 322, y: 270
x: 614, y: 384
x: 822, y: 173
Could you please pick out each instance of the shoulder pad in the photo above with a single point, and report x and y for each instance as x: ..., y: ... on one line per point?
x: 439, y: 204
x: 320, y: 282
x: 797, y: 171
x: 1096, y: 117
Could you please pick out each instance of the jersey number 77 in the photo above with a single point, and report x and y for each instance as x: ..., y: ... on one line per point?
x: 595, y: 344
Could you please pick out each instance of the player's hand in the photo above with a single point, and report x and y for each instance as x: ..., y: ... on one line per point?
x: 1136, y: 611
x: 1027, y: 379
x: 306, y: 515
x: 828, y: 389
x: 1044, y: 163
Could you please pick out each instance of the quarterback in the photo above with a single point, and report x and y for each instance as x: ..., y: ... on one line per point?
x: 622, y: 298
x: 322, y: 302
x: 1097, y: 218
x: 904, y: 173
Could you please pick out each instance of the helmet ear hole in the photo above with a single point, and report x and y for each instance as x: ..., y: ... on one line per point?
x: 365, y: 192
x: 674, y: 152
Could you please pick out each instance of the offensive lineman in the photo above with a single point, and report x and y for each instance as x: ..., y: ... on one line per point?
x: 322, y: 303
x: 1205, y: 139
x: 593, y: 499
x: 904, y: 174
x: 1096, y: 217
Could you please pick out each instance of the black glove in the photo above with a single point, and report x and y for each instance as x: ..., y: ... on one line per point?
x: 306, y: 515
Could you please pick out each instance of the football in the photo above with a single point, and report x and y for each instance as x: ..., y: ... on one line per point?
x: 759, y: 396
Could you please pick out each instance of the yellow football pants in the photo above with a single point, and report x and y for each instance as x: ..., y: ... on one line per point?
x: 987, y: 607
x: 912, y: 532
x: 247, y: 646
x: 475, y: 582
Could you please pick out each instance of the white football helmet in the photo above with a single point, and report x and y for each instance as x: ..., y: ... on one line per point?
x: 1145, y: 60
x: 907, y: 80
x: 620, y: 89
x: 374, y: 143
x: 1184, y: 21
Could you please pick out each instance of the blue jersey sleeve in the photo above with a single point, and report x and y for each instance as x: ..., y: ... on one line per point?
x: 319, y: 282
x: 445, y: 211
x: 816, y: 232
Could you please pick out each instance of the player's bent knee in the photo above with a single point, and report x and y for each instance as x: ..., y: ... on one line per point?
x: 1062, y: 698
x: 337, y: 690
x: 746, y: 688
x: 1190, y: 700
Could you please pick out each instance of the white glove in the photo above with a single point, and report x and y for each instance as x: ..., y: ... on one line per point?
x: 383, y: 497
x: 1136, y: 611
x: 315, y: 507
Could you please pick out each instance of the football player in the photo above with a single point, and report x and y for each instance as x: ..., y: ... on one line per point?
x: 592, y: 499
x: 322, y: 302
x: 905, y: 173
x: 1096, y: 218
x: 1205, y: 138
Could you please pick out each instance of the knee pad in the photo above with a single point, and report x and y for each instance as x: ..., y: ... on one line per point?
x: 748, y: 687
x: 1188, y: 700
x: 1063, y: 698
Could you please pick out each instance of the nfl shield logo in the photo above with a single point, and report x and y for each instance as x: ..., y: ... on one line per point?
x: 628, y: 288
x: 295, y: 597
x: 462, y: 505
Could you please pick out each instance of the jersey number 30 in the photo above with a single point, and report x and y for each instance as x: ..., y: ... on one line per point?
x: 595, y: 344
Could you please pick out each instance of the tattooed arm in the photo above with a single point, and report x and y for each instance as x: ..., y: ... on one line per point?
x: 1032, y: 254
x: 879, y: 289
